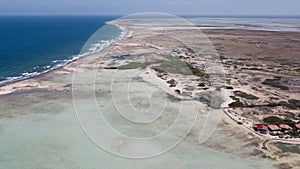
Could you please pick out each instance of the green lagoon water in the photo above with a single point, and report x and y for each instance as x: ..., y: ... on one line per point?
x: 46, y: 134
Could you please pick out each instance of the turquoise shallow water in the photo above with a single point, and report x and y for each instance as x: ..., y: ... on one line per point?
x: 49, y: 137
x: 43, y: 131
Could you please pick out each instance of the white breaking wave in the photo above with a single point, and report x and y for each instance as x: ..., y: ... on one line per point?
x: 94, y: 48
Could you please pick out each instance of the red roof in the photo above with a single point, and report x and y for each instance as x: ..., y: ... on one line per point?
x: 298, y: 125
x: 273, y: 127
x: 285, y: 126
x: 261, y: 127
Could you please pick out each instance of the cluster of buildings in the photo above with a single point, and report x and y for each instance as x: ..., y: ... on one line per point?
x: 276, y: 129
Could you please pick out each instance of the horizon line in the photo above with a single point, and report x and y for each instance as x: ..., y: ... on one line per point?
x: 180, y: 15
x: 119, y: 14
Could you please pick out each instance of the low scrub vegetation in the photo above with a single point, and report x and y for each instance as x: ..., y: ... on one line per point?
x: 245, y: 95
x: 275, y: 83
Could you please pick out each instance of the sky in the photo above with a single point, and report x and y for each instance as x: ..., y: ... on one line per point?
x: 124, y: 7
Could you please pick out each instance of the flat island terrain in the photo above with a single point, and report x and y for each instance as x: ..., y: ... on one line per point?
x: 246, y: 81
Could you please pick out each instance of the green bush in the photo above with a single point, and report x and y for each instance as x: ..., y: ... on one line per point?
x: 136, y: 65
x: 177, y: 66
x: 236, y: 104
x: 273, y: 120
x: 245, y: 95
x: 201, y: 84
x: 275, y: 83
x: 289, y: 122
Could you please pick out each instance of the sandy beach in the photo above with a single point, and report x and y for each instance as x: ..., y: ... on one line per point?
x: 39, y: 116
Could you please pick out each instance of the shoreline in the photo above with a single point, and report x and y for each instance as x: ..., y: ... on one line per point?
x: 124, y: 34
x: 53, y: 82
x: 127, y: 33
x: 75, y: 58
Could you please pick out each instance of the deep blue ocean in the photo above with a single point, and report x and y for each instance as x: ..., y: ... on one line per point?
x: 30, y: 45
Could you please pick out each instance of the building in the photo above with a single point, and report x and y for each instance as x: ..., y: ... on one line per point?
x: 298, y: 126
x: 285, y: 127
x: 273, y: 127
x: 261, y: 128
